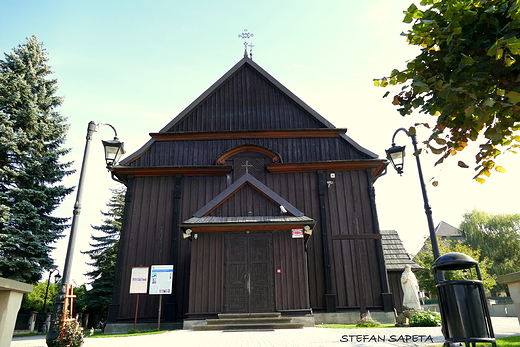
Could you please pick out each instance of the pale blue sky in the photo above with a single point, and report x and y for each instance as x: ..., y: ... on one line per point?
x: 137, y: 64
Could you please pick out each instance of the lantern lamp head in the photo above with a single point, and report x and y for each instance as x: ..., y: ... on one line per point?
x: 395, y: 155
x: 114, y: 149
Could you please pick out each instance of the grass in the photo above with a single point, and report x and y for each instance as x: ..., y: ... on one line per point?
x: 99, y: 334
x: 511, y: 341
x: 25, y: 335
x: 350, y: 326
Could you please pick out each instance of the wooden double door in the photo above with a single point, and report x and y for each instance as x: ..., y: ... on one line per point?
x: 249, y: 278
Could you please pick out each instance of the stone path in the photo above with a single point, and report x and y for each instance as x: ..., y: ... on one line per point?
x: 319, y: 337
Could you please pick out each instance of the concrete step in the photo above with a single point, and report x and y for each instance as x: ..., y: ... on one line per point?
x: 249, y: 320
x: 250, y: 315
x: 249, y: 326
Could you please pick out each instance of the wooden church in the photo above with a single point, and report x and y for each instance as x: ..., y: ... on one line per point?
x: 260, y: 204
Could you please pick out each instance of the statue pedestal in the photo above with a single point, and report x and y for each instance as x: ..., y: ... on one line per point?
x: 11, y: 293
x: 513, y: 282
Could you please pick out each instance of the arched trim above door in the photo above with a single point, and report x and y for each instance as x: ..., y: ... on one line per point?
x: 275, y: 157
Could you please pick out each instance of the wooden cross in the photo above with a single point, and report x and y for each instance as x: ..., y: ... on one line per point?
x: 247, y: 166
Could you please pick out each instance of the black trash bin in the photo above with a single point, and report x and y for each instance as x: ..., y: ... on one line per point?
x: 464, y: 311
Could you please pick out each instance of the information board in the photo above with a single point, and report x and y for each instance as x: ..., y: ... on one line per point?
x: 161, y: 279
x: 139, y: 280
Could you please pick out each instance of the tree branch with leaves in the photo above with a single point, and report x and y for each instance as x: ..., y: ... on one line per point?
x: 467, y: 75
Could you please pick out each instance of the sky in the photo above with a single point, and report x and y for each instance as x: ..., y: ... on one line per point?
x: 138, y: 64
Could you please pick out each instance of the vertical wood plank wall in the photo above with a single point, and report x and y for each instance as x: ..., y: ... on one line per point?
x: 354, y: 262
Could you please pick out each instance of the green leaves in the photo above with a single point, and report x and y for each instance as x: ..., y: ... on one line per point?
x: 32, y: 132
x: 467, y: 73
x: 513, y: 97
x: 497, y: 237
x: 411, y: 13
x: 104, y: 255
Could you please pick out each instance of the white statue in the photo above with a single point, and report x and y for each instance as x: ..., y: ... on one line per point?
x: 410, y: 289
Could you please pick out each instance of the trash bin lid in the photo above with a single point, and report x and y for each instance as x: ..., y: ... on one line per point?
x: 454, y: 261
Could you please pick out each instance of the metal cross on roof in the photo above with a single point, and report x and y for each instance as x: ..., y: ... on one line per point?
x: 247, y: 35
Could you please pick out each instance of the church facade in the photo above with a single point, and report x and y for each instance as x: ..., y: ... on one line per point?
x: 259, y: 203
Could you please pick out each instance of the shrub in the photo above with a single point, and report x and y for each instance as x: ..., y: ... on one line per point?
x: 368, y: 322
x: 425, y: 319
x: 72, y: 335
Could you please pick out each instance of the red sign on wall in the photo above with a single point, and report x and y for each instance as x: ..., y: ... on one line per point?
x: 297, y: 233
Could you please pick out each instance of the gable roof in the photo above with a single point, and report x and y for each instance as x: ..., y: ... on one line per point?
x: 292, y: 217
x: 246, y: 105
x: 444, y: 229
x: 237, y: 185
x: 394, y: 252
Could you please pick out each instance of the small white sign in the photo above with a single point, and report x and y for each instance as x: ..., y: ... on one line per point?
x: 297, y: 233
x: 139, y: 280
x: 161, y: 279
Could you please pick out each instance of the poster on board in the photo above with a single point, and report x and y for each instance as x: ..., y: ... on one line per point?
x: 139, y: 280
x: 161, y: 278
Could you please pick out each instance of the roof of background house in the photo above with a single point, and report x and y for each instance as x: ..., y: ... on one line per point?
x: 446, y: 230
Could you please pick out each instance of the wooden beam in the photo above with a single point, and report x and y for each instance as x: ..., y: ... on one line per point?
x: 241, y: 227
x: 376, y: 165
x: 159, y: 171
x: 249, y: 134
x: 356, y: 237
x: 330, y: 295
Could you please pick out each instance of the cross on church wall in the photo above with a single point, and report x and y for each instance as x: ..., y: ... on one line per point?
x: 247, y: 166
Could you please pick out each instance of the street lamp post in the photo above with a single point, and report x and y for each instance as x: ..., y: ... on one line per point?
x: 113, y: 151
x: 395, y: 155
x: 43, y: 314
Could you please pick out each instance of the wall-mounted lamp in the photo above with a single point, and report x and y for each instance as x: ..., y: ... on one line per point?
x: 331, y: 179
x: 307, y: 230
x: 187, y: 233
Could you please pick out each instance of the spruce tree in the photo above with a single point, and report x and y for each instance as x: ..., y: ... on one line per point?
x: 32, y: 132
x: 104, y: 255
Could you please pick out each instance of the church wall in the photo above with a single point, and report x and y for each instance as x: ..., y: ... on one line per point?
x: 196, y: 192
x: 245, y: 203
x: 247, y: 101
x: 301, y: 190
x: 394, y: 280
x: 355, y: 266
x: 150, y: 229
x: 148, y: 242
x: 292, y: 150
x: 206, y: 274
x: 291, y: 284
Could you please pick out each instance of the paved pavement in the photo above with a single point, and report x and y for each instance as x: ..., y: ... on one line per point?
x: 316, y: 337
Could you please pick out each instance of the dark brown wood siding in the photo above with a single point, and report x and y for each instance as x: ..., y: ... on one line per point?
x: 148, y: 239
x: 196, y: 192
x: 207, y: 273
x: 246, y: 101
x: 394, y: 281
x: 348, y: 207
x: 353, y: 255
x: 247, y: 202
x: 206, y: 279
x: 296, y: 150
x: 291, y: 285
x: 301, y: 190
